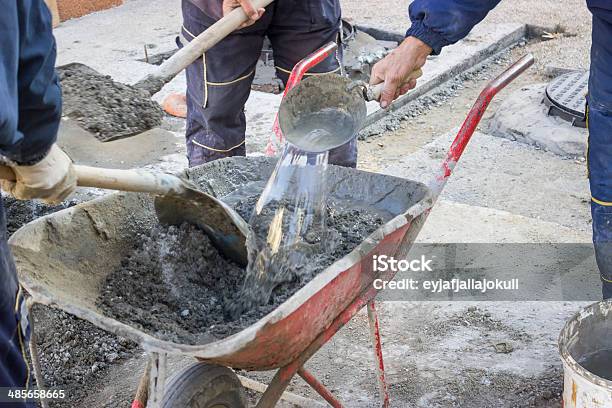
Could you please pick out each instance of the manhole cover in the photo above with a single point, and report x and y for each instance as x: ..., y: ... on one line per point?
x: 565, y: 97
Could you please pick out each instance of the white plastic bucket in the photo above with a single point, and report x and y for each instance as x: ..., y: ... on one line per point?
x: 588, y: 331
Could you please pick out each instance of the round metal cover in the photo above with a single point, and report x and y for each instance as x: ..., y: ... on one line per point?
x: 565, y: 96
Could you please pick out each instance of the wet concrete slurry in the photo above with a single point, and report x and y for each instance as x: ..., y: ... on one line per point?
x: 176, y: 286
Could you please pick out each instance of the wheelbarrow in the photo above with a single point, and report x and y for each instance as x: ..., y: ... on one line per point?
x: 64, y: 258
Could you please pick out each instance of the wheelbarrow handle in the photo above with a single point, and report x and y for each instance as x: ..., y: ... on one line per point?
x: 138, y: 181
x: 372, y: 93
x: 473, y: 119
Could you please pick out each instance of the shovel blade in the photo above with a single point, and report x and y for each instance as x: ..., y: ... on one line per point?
x: 226, y: 229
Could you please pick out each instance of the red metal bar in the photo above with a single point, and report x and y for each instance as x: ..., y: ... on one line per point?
x: 297, y: 73
x: 378, y: 356
x: 319, y: 388
x: 474, y: 116
x: 284, y: 375
x: 308, y: 63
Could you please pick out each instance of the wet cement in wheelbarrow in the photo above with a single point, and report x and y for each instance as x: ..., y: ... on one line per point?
x: 177, y: 287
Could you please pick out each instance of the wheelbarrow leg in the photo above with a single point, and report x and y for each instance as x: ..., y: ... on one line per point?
x: 142, y: 392
x: 281, y: 380
x: 277, y: 386
x: 157, y: 379
x: 378, y: 357
x: 319, y: 388
x: 283, y: 376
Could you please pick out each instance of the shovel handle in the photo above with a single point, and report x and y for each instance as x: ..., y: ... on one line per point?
x: 376, y: 90
x: 137, y: 181
x: 6, y: 173
x: 203, y: 42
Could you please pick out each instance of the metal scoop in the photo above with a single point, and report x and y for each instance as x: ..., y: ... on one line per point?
x: 176, y: 201
x: 326, y: 111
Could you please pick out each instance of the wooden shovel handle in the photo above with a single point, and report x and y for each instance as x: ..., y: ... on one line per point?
x: 205, y: 41
x: 6, y: 173
x: 138, y: 181
x: 376, y: 90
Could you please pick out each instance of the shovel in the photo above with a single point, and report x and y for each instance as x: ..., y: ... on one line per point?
x: 176, y: 201
x: 326, y: 111
x: 154, y: 82
x: 163, y: 74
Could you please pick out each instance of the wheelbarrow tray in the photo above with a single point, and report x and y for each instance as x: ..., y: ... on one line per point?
x: 63, y: 260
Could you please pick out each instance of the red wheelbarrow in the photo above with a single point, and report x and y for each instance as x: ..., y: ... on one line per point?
x: 63, y: 260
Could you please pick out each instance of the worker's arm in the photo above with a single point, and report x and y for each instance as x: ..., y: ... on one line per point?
x: 435, y: 24
x: 439, y: 23
x: 30, y: 103
x: 30, y: 94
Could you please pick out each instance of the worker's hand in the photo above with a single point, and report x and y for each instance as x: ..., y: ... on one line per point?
x: 396, y: 67
x: 252, y: 13
x: 52, y: 179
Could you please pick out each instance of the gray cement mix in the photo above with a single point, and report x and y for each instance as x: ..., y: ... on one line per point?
x: 177, y: 287
x: 73, y: 353
x: 108, y: 109
x: 598, y: 363
x: 20, y: 212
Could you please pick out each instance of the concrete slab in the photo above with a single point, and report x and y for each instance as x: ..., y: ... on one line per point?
x: 261, y: 109
x: 523, y: 117
x: 509, y: 176
x: 452, y: 222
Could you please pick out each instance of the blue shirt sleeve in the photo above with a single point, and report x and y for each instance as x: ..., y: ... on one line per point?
x: 439, y: 23
x: 30, y: 96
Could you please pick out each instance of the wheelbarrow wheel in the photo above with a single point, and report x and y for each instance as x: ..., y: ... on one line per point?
x: 204, y: 385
